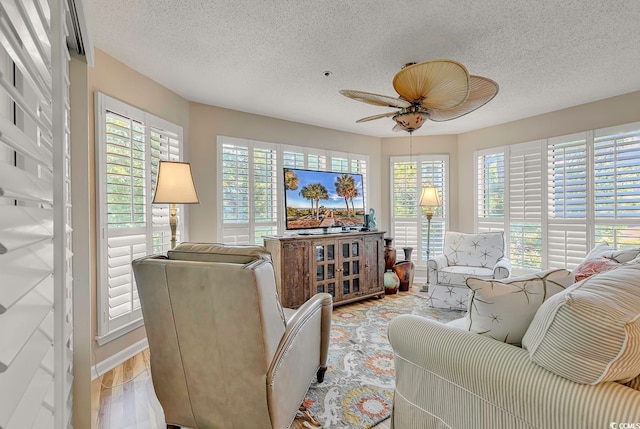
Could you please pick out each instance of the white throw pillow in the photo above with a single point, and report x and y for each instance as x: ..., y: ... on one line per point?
x: 503, y: 309
x: 590, y: 333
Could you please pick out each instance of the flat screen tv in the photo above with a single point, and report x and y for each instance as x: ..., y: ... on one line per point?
x: 323, y: 199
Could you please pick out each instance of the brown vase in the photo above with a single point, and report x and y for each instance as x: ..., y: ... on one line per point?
x: 389, y: 254
x: 403, y: 271
x: 407, y: 257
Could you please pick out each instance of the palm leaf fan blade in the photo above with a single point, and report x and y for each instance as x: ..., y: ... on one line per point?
x: 481, y: 91
x: 374, y: 117
x: 375, y: 99
x: 439, y: 84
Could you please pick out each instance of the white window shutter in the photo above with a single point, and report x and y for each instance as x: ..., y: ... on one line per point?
x: 408, y: 220
x: 490, y: 196
x: 251, y: 184
x: 617, y: 185
x: 567, y: 200
x: 525, y: 205
x: 35, y: 221
x: 129, y: 147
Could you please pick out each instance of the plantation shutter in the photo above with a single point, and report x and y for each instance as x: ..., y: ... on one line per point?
x: 164, y: 145
x: 525, y: 205
x: 433, y: 172
x: 408, y: 221
x: 490, y: 190
x: 617, y: 185
x: 250, y: 183
x: 123, y: 195
x: 404, y: 196
x: 264, y: 192
x: 35, y: 222
x: 130, y: 144
x: 567, y: 200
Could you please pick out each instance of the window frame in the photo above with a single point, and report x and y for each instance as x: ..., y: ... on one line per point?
x: 112, y: 328
x: 246, y: 231
x: 420, y: 219
x: 575, y: 229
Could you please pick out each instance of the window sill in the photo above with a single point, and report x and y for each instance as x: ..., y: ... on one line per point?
x: 116, y: 333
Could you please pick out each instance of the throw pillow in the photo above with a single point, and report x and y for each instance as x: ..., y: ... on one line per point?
x: 503, y: 309
x: 589, y: 267
x: 590, y: 332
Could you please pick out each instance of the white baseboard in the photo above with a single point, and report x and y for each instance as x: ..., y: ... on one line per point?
x: 114, y: 360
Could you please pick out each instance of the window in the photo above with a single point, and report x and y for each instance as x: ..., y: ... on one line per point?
x: 408, y: 221
x: 130, y: 145
x: 490, y: 196
x: 564, y: 194
x: 566, y: 171
x: 250, y: 183
x: 617, y: 185
x: 525, y: 205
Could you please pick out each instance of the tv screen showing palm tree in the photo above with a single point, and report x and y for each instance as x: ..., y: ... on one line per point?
x: 323, y: 199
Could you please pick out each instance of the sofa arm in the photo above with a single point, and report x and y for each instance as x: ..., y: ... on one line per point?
x: 438, y: 365
x: 302, y: 350
x: 502, y: 269
x: 438, y: 262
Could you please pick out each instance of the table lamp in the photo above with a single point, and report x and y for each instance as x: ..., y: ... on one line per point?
x: 175, y: 186
x: 430, y: 200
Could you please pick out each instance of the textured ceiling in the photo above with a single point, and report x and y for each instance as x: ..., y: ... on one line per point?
x: 268, y: 57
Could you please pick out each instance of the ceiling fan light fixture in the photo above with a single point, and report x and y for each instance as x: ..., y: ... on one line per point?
x: 410, y: 120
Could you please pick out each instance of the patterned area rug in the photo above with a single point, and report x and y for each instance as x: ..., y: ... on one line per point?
x: 357, y: 391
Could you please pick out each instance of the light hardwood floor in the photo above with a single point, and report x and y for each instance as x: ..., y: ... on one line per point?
x: 123, y: 398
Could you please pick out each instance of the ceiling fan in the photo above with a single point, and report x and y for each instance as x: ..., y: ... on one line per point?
x: 439, y: 90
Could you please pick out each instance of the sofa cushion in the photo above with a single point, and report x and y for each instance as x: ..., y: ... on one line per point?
x: 474, y: 250
x: 503, y: 309
x: 589, y: 267
x: 216, y: 252
x: 458, y: 275
x: 590, y: 332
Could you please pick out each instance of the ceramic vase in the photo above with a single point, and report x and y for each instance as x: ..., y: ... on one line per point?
x: 403, y: 271
x: 391, y: 283
x: 389, y: 254
x: 407, y: 257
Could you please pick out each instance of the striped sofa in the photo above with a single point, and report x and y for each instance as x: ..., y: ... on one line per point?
x: 450, y: 378
x: 579, y: 344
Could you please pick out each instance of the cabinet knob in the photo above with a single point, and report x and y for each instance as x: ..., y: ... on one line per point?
x: 366, y: 265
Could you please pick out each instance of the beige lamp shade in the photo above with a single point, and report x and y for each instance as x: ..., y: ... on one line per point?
x: 429, y: 197
x: 175, y: 184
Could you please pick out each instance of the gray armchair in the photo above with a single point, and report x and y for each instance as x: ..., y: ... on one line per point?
x: 223, y: 351
x: 478, y: 255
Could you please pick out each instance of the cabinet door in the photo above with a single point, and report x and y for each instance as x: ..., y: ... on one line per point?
x: 374, y: 264
x: 295, y: 274
x: 324, y: 267
x: 350, y: 268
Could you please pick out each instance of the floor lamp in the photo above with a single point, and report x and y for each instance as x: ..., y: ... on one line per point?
x: 175, y: 186
x: 430, y: 200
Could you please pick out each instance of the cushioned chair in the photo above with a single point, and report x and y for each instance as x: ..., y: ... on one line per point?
x: 465, y: 255
x: 224, y: 354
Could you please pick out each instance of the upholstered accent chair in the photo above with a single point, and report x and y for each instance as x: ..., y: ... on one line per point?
x: 478, y: 255
x: 224, y: 353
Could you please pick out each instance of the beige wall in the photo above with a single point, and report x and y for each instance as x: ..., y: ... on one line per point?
x: 618, y: 110
x: 115, y: 79
x: 83, y: 242
x: 208, y: 121
x: 421, y: 145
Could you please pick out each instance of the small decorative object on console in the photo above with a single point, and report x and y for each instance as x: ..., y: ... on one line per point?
x: 373, y: 226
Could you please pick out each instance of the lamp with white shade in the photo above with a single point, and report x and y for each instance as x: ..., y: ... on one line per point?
x: 175, y: 186
x: 429, y: 199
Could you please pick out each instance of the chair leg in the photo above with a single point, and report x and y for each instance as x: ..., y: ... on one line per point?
x: 320, y: 373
